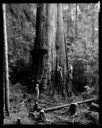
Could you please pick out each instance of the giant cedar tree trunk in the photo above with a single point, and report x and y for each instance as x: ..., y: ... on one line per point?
x: 49, y: 41
x: 6, y: 75
x: 40, y: 52
x: 51, y: 31
x: 60, y: 45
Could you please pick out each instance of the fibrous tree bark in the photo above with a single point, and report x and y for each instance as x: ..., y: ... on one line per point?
x: 40, y: 51
x: 49, y: 48
x: 6, y: 69
x: 44, y: 54
x: 60, y: 47
x: 69, y: 33
x: 51, y: 38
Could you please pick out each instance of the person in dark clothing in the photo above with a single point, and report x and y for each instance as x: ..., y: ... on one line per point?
x: 59, y: 79
x: 35, y: 88
x: 69, y: 79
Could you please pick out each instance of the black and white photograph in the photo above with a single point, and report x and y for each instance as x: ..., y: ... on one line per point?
x: 51, y: 63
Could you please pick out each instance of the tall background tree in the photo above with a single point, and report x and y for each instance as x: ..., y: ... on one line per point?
x: 76, y: 32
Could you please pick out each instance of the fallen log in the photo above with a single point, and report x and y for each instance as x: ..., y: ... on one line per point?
x: 66, y: 105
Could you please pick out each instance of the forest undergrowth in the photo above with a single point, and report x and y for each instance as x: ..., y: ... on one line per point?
x: 58, y: 117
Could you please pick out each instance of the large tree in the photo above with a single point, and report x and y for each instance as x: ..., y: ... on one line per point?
x: 51, y: 38
x: 40, y: 47
x: 49, y: 48
x: 44, y: 53
x: 60, y: 46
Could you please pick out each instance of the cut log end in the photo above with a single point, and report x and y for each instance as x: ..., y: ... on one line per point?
x: 18, y: 121
x: 41, y: 116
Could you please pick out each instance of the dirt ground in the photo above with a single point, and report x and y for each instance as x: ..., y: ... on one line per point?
x: 58, y: 117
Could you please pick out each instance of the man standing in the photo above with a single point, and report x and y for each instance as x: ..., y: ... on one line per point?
x: 69, y: 80
x: 59, y: 69
x: 70, y: 71
x: 37, y: 91
x: 59, y: 79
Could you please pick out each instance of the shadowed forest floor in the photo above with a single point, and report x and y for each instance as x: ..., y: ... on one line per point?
x: 84, y: 116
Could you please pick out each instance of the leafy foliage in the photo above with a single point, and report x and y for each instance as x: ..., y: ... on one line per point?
x: 21, y: 20
x: 85, y: 46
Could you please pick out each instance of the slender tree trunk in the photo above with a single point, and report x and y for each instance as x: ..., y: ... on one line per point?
x: 93, y: 31
x: 76, y: 33
x: 69, y: 20
x: 93, y: 26
x: 6, y: 69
